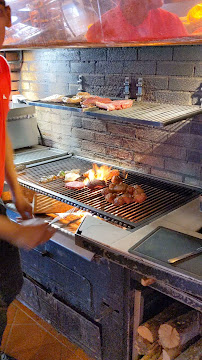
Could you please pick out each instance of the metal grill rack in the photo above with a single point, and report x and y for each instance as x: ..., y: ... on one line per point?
x: 145, y: 113
x: 162, y: 197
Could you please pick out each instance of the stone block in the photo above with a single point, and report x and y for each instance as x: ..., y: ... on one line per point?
x: 184, y: 84
x: 176, y: 152
x: 156, y: 161
x: 92, y: 124
x: 140, y: 67
x: 151, y: 83
x: 173, y: 97
x: 82, y: 67
x: 121, y: 129
x: 138, y: 146
x: 155, y: 53
x: 93, y: 54
x: 108, y: 139
x: 187, y: 53
x: 166, y: 174
x: 109, y: 67
x: 67, y: 54
x: 175, y: 68
x: 178, y: 166
x: 83, y: 134
x: 93, y: 147
x: 118, y: 153
x: 115, y: 54
x: 194, y: 156
x: 198, y: 69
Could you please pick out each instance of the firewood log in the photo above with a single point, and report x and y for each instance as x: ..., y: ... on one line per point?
x: 179, y: 331
x: 170, y: 354
x: 149, y: 330
x: 194, y: 352
x: 154, y: 353
x: 141, y: 345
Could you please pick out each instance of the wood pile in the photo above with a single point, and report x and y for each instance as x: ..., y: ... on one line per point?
x: 171, y: 334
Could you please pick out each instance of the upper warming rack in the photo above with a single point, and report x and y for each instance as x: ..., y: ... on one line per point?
x: 144, y: 113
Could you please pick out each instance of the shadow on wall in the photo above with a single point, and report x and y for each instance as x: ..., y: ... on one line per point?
x: 197, y: 96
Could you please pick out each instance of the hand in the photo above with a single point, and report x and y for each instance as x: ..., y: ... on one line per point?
x: 32, y: 233
x: 23, y: 206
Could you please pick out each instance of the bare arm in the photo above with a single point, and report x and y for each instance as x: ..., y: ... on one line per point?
x: 10, y: 173
x: 21, y: 204
x: 33, y: 232
x: 30, y: 235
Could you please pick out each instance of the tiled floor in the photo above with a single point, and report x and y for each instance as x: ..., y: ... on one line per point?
x: 27, y: 337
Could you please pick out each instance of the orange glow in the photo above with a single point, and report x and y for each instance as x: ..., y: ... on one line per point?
x: 99, y: 173
x: 195, y: 14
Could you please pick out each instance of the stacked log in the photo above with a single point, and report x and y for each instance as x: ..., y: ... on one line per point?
x: 142, y: 345
x: 179, y: 331
x: 149, y: 330
x: 194, y: 352
x: 154, y: 353
x: 167, y: 335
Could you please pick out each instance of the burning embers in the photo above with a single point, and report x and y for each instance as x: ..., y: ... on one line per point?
x: 110, y: 182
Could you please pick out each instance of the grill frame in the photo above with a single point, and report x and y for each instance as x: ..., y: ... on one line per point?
x: 167, y: 189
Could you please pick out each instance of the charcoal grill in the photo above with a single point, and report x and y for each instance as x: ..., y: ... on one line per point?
x: 162, y: 196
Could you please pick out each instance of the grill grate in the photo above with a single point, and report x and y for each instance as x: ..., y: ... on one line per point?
x: 162, y: 197
x: 146, y: 113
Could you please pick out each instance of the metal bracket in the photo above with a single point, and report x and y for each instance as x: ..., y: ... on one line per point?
x: 126, y: 88
x: 139, y: 89
x: 80, y: 83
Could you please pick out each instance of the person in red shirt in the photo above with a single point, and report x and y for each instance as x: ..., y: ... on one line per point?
x: 136, y: 20
x: 12, y: 235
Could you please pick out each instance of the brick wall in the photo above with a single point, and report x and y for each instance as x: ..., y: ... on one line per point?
x: 170, y: 74
x: 13, y: 58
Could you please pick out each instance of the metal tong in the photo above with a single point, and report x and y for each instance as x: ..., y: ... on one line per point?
x: 64, y: 215
x: 185, y: 256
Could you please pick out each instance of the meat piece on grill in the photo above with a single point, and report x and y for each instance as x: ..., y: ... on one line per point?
x: 123, y: 199
x: 95, y: 184
x: 138, y: 189
x: 83, y: 95
x: 130, y: 189
x: 105, y: 191
x: 140, y: 198
x: 122, y: 104
x: 120, y: 188
x: 75, y: 185
x: 128, y: 198
x: 119, y: 201
x: 106, y: 106
x: 110, y: 197
x: 114, y: 105
x: 116, y: 180
x: 91, y: 101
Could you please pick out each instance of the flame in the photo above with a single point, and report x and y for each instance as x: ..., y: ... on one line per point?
x: 195, y: 14
x: 99, y: 173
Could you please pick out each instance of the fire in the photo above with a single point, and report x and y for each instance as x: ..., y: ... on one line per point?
x: 195, y: 14
x: 99, y: 173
